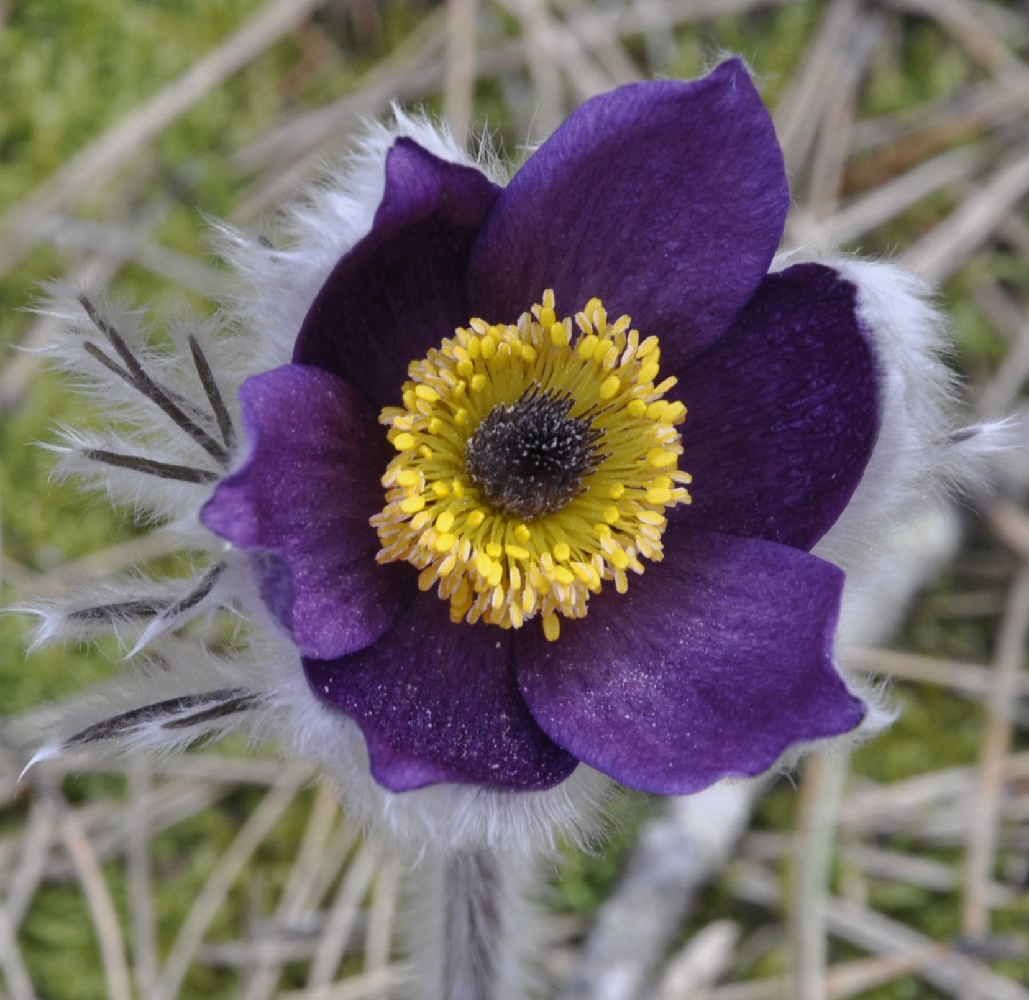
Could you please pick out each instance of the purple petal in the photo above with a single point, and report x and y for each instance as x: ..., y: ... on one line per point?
x: 302, y: 502
x: 783, y: 412
x: 715, y: 661
x: 401, y: 289
x: 439, y: 702
x: 666, y: 199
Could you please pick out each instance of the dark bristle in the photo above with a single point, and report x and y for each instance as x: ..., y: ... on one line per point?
x: 138, y: 378
x: 151, y: 467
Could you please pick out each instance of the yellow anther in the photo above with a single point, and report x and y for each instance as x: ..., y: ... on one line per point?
x: 426, y: 578
x: 620, y: 559
x: 488, y: 347
x: 611, y: 514
x: 656, y: 410
x: 528, y: 353
x: 636, y: 408
x: 552, y: 627
x: 661, y: 459
x: 646, y: 347
x: 563, y: 575
x: 440, y: 488
x: 408, y: 477
x: 479, y: 382
x: 522, y: 533
x: 647, y: 373
x: 591, y: 307
x: 475, y: 518
x: 651, y: 517
x: 659, y: 494
x: 448, y: 565
x: 610, y: 357
x: 616, y: 491
x: 483, y: 564
x: 587, y: 346
x: 445, y: 521
x: 547, y: 318
x: 562, y: 552
x: 609, y: 387
x: 559, y: 335
x: 435, y: 425
x: 427, y: 393
x: 411, y: 505
x: 495, y: 550
x: 517, y: 552
x: 404, y: 441
x: 445, y: 542
x: 457, y: 488
x: 496, y: 575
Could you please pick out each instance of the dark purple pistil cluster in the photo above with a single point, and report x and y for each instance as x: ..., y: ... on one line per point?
x: 529, y: 459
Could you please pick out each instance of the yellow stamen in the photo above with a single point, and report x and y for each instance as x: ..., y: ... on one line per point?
x: 505, y: 567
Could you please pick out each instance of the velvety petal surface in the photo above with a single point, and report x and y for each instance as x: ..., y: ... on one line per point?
x: 302, y: 502
x: 439, y: 702
x: 715, y: 661
x: 666, y: 199
x: 401, y: 289
x: 782, y: 412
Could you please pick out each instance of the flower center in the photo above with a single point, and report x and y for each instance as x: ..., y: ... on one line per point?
x: 528, y: 459
x: 532, y: 466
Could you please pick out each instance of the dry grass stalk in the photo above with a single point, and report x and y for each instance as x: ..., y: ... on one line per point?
x: 210, y: 898
x: 101, y: 906
x: 459, y: 79
x: 989, y: 784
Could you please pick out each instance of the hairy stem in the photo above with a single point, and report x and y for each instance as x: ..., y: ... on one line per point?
x: 465, y: 938
x: 473, y: 926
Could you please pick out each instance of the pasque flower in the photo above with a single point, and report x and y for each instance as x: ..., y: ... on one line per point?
x: 532, y: 460
x: 521, y: 477
x: 516, y: 489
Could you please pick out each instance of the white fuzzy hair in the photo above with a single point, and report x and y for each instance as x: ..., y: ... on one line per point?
x: 923, y: 447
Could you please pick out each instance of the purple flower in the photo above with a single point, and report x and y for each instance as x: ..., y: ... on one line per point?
x: 468, y: 439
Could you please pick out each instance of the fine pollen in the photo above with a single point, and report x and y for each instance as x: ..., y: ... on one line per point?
x: 534, y: 462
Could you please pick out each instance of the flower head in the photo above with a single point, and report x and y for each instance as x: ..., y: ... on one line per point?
x: 544, y: 357
x: 529, y: 476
